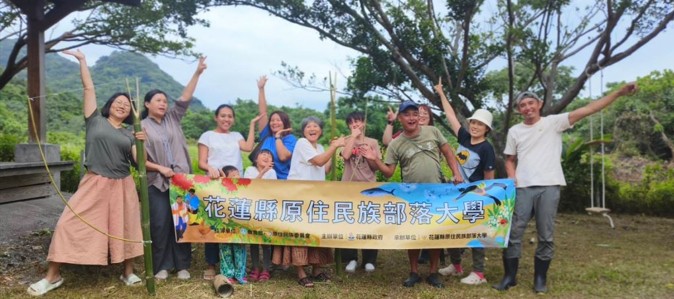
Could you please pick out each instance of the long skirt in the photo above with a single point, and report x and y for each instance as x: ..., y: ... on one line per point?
x: 301, y: 256
x: 110, y: 205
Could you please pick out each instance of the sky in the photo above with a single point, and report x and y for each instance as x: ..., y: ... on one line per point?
x: 243, y: 43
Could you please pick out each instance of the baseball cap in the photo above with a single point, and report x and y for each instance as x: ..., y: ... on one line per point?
x: 407, y: 105
x: 483, y: 116
x: 525, y: 95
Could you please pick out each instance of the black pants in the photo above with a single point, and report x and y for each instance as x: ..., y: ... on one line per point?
x: 369, y: 255
x: 167, y: 254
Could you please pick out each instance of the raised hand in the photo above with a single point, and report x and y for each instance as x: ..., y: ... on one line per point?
x: 355, y: 132
x: 390, y: 115
x: 338, y: 142
x: 438, y: 87
x: 367, y: 152
x: 202, y: 65
x: 258, y: 117
x: 628, y: 89
x: 280, y: 132
x: 77, y: 54
x: 261, y: 82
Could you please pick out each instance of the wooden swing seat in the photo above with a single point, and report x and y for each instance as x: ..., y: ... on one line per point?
x: 603, y: 211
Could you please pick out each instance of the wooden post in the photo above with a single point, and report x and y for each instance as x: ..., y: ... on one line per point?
x: 36, y: 71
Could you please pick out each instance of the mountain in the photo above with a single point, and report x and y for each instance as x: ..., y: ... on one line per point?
x: 109, y: 74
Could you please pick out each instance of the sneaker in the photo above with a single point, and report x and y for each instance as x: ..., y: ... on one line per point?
x: 369, y: 267
x: 450, y: 271
x: 435, y: 281
x: 162, y: 275
x: 473, y: 279
x: 184, y: 275
x: 413, y: 279
x: 351, y: 266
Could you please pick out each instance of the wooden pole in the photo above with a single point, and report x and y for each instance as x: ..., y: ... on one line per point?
x: 333, y: 170
x: 36, y: 70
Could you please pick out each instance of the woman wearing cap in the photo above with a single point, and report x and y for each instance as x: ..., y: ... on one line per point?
x: 476, y: 158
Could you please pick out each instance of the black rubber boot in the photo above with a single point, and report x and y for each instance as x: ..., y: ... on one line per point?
x: 510, y: 275
x: 541, y: 275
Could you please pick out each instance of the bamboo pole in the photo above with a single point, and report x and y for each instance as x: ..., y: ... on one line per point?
x: 333, y: 169
x: 144, y: 200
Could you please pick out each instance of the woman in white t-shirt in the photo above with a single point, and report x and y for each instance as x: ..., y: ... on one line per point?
x: 310, y: 162
x: 219, y: 148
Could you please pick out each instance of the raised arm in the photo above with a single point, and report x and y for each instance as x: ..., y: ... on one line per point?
x: 350, y: 142
x: 89, y: 94
x: 447, y: 107
x: 388, y: 130
x: 247, y: 144
x: 324, y: 158
x: 261, y: 102
x: 188, y: 92
x: 453, y: 164
x: 596, y: 106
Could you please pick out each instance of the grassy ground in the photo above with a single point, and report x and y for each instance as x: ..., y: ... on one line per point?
x: 633, y: 261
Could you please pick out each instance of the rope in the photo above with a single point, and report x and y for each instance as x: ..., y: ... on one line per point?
x: 58, y: 191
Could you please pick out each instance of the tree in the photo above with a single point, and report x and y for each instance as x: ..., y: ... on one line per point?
x: 154, y: 27
x: 407, y: 46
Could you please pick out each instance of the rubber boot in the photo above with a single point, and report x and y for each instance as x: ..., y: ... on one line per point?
x: 510, y: 276
x: 541, y: 275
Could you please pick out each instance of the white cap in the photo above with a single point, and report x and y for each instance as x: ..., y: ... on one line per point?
x: 483, y: 116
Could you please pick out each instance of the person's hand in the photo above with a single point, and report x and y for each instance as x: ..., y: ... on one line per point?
x: 367, y: 152
x: 261, y: 82
x: 202, y: 65
x: 140, y: 135
x: 77, y: 54
x: 266, y: 168
x: 356, y: 132
x: 390, y: 115
x: 255, y: 119
x: 628, y: 89
x: 457, y: 179
x: 438, y: 87
x: 213, y: 172
x: 279, y: 134
x: 166, y: 171
x: 338, y: 142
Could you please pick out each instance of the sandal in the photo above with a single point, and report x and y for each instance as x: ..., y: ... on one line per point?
x: 209, y: 274
x: 131, y: 280
x: 254, y: 275
x: 43, y: 287
x: 264, y: 276
x: 321, y: 277
x: 306, y: 282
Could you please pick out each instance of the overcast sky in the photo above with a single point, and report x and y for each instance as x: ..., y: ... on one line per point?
x: 243, y: 43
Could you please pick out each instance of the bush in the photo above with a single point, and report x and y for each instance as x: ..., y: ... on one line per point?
x: 7, y: 145
x: 71, y: 179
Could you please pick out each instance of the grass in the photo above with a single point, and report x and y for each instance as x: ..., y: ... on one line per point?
x: 592, y: 261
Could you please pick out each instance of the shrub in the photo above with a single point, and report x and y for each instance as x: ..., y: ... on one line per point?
x: 7, y: 145
x: 71, y: 179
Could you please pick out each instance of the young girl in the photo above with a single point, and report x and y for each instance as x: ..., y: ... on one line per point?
x: 233, y: 256
x: 263, y: 168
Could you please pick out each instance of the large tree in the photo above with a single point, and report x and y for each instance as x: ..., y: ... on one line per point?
x: 408, y: 46
x: 154, y: 27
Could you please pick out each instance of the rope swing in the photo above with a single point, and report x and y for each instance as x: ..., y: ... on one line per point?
x: 598, y: 206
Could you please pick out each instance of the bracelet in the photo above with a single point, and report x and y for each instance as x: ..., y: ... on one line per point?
x: 390, y: 122
x: 277, y: 138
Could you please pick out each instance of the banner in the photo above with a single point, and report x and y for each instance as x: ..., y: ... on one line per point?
x: 342, y: 214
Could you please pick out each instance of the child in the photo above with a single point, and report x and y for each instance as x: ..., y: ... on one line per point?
x: 263, y: 168
x: 233, y: 256
x: 180, y: 216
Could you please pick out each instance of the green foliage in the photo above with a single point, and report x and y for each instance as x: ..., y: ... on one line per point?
x: 652, y: 195
x: 70, y: 179
x: 7, y: 145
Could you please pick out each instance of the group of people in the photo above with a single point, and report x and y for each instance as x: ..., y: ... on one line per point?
x: 107, y: 195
